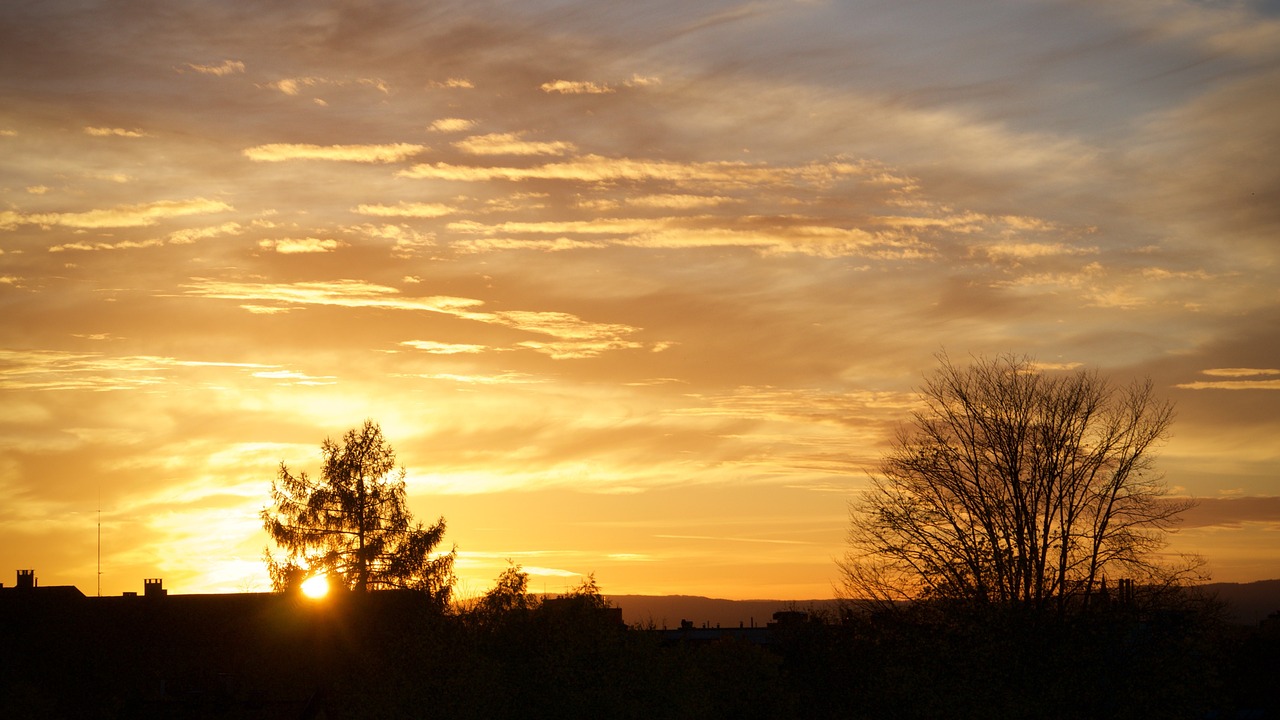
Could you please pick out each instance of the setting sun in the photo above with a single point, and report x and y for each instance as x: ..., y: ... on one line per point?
x: 315, y: 587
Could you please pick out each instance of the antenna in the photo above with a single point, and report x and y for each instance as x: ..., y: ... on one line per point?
x: 99, y: 541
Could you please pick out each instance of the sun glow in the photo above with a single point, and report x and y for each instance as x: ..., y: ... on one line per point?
x: 315, y: 587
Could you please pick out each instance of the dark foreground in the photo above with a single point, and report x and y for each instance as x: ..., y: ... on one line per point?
x: 387, y: 655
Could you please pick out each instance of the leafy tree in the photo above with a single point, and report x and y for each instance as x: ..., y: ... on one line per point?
x: 510, y: 593
x: 1014, y: 486
x: 352, y: 523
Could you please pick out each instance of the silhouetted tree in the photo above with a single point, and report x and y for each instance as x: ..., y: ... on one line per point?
x: 510, y: 593
x: 1014, y: 486
x: 352, y: 523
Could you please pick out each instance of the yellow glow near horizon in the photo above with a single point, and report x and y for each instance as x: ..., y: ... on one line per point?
x: 315, y: 587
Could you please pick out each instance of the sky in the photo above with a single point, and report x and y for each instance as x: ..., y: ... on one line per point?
x: 634, y: 289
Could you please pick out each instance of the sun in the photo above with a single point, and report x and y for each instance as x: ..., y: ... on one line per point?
x: 315, y: 587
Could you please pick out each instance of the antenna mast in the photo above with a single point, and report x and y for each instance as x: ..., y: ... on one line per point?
x: 99, y: 542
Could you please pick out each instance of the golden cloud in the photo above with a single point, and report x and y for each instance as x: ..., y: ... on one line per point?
x: 1240, y: 372
x: 280, y: 152
x: 556, y: 245
x: 819, y: 241
x: 580, y: 338
x: 1231, y: 385
x: 341, y: 293
x: 578, y: 350
x: 603, y: 226
x: 122, y: 245
x: 575, y: 87
x: 678, y: 202
x: 296, y: 378
x: 510, y: 144
x: 407, y: 240
x: 643, y: 81
x: 293, y: 246
x: 1024, y: 251
x: 674, y: 232
x: 226, y: 67
x: 1257, y: 379
x: 451, y: 125
x: 190, y: 235
x: 559, y: 325
x: 439, y: 348
x: 125, y: 215
x: 452, y: 84
x: 596, y: 168
x: 59, y: 370
x: 406, y: 209
x: 501, y: 379
x: 292, y: 86
x: 113, y: 132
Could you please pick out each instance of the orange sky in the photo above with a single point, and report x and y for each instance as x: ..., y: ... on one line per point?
x: 638, y: 289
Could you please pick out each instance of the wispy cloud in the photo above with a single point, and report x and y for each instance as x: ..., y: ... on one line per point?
x: 440, y: 348
x: 476, y: 379
x: 340, y: 293
x: 453, y: 83
x: 294, y: 85
x: 451, y: 125
x: 574, y: 336
x: 113, y: 132
x: 406, y: 241
x: 679, y: 232
x: 407, y: 209
x: 500, y: 243
x: 1240, y: 372
x: 289, y: 377
x: 1242, y: 379
x: 95, y: 246
x: 678, y: 202
x: 226, y: 67
x: 294, y: 246
x: 1028, y: 250
x: 281, y: 152
x: 575, y: 87
x: 64, y: 371
x: 597, y: 168
x: 511, y: 144
x: 187, y: 236
x: 123, y: 216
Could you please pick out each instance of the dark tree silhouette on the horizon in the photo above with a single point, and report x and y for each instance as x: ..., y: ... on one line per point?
x: 1015, y: 487
x: 352, y: 524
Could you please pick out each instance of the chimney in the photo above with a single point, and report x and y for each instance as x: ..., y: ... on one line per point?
x: 153, y: 587
x: 26, y: 579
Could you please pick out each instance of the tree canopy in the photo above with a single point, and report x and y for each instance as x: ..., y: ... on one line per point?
x: 352, y: 523
x: 1016, y: 486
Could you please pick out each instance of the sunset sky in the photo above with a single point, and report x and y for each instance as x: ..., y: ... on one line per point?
x: 639, y: 289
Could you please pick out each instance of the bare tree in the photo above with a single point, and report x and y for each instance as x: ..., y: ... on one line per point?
x: 1014, y: 486
x: 352, y: 523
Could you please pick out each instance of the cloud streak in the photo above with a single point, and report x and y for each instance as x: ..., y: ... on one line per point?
x: 123, y: 216
x: 285, y: 152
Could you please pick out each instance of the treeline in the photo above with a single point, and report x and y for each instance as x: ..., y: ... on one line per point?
x: 390, y: 654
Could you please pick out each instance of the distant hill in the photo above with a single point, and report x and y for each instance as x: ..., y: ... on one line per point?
x: 668, y: 610
x: 1247, y: 603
